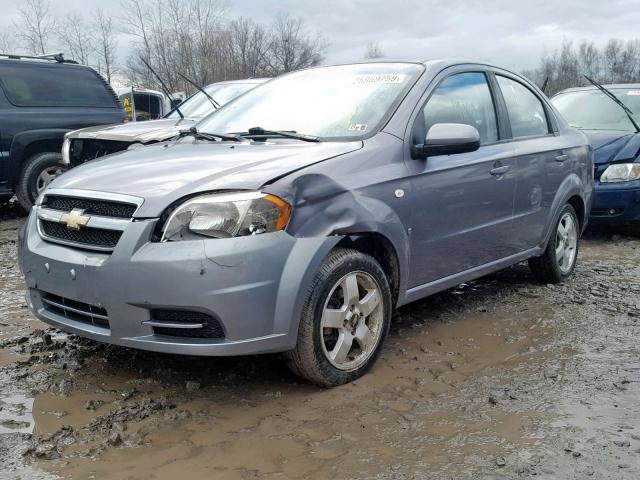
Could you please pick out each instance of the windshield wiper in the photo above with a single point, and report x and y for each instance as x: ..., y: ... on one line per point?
x: 212, y: 137
x: 215, y: 104
x: 626, y: 109
x: 163, y: 87
x: 261, y: 132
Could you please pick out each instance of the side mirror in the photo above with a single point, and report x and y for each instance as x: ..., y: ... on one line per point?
x: 448, y: 139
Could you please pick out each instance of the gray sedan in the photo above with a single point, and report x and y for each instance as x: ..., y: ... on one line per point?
x: 296, y: 218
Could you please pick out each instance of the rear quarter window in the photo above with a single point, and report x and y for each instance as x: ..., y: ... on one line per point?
x: 54, y: 86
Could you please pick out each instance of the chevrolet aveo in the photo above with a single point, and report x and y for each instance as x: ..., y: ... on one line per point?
x: 297, y: 217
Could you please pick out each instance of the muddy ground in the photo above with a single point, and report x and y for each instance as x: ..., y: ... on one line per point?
x: 499, y: 378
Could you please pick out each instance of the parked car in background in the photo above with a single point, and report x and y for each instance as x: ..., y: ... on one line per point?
x: 89, y: 143
x: 41, y: 99
x: 141, y: 104
x: 298, y: 216
x: 615, y: 138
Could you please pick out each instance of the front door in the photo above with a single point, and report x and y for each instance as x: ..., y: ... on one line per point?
x: 463, y: 204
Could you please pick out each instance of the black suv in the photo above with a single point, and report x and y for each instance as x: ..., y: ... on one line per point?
x: 41, y: 99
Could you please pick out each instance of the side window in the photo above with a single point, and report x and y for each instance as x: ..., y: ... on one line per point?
x: 463, y: 98
x: 526, y: 113
x: 55, y: 85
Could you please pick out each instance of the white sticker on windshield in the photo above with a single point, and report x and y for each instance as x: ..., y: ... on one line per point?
x: 377, y: 79
x: 358, y: 127
x: 635, y: 93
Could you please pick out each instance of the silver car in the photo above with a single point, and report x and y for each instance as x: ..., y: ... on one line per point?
x: 297, y: 217
x: 87, y: 144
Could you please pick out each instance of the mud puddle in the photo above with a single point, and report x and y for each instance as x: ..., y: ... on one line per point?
x: 499, y: 378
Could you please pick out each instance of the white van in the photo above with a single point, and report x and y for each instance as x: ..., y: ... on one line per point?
x: 143, y: 104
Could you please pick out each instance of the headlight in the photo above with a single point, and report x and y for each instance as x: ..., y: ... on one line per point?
x: 621, y: 172
x: 66, y: 145
x: 225, y: 215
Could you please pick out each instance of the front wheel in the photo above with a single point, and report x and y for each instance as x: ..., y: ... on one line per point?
x: 38, y: 172
x: 559, y: 259
x: 345, y: 320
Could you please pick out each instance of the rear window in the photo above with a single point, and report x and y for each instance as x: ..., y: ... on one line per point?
x: 54, y: 86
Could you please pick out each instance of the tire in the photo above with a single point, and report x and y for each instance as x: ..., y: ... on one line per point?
x: 316, y: 357
x: 29, y: 183
x: 549, y: 268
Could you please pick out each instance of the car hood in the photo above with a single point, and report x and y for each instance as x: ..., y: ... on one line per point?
x: 141, y: 132
x: 613, y: 146
x: 164, y: 173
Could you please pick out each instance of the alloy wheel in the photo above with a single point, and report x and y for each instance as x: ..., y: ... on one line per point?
x: 566, y: 243
x: 352, y: 321
x: 47, y: 176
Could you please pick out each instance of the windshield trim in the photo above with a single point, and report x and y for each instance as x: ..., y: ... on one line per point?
x: 384, y: 120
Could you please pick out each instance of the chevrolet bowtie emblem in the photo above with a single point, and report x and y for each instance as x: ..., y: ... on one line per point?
x: 75, y: 219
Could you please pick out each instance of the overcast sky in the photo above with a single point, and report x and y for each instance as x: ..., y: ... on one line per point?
x: 509, y: 33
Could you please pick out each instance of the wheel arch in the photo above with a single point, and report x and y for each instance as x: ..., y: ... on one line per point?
x: 382, y: 250
x: 578, y: 205
x: 571, y: 191
x: 26, y: 144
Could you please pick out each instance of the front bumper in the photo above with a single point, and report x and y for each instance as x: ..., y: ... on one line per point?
x: 616, y: 203
x: 251, y: 285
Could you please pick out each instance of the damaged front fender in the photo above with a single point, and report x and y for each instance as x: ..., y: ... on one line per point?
x: 323, y: 207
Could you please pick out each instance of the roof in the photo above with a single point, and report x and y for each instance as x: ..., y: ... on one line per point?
x: 51, y: 58
x: 243, y: 80
x: 611, y: 86
x: 435, y: 63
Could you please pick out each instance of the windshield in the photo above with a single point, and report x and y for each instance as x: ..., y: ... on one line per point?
x: 593, y: 110
x: 198, y: 105
x: 345, y: 102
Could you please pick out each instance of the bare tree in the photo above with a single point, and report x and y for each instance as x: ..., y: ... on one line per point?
x: 373, y: 50
x: 567, y: 67
x: 36, y: 26
x: 291, y: 47
x: 590, y: 59
x: 629, y: 67
x: 611, y: 59
x: 195, y: 38
x: 6, y: 41
x: 136, y: 23
x: 176, y: 36
x: 248, y: 44
x: 76, y: 36
x: 105, y: 39
x: 616, y: 62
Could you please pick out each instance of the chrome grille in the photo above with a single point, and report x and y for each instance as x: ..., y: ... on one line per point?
x: 68, y: 218
x: 74, y: 310
x: 103, y: 208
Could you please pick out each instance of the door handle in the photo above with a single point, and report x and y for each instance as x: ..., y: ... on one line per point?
x: 561, y: 158
x: 496, y: 172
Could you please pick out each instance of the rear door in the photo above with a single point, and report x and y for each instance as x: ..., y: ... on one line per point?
x: 542, y: 161
x: 463, y: 204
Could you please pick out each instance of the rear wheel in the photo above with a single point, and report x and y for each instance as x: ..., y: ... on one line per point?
x: 38, y: 172
x: 559, y: 259
x: 345, y: 320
